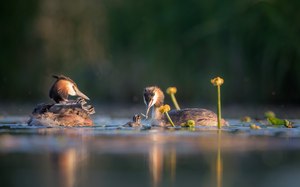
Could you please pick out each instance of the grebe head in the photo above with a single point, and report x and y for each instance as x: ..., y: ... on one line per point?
x: 137, y: 118
x: 63, y: 87
x: 153, y: 96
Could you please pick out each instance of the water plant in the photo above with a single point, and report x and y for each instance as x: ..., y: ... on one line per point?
x: 188, y: 123
x: 164, y: 110
x: 270, y: 114
x: 280, y: 122
x: 273, y: 120
x: 172, y: 91
x: 219, y: 168
x: 218, y: 81
x: 246, y: 119
x: 254, y: 126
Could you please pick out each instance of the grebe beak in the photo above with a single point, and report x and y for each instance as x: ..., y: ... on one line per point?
x: 80, y: 94
x: 150, y: 104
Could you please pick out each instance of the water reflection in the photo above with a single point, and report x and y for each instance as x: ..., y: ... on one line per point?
x: 67, y: 164
x: 219, y: 169
x: 156, y: 161
x: 93, y: 157
x: 173, y: 164
x: 163, y: 157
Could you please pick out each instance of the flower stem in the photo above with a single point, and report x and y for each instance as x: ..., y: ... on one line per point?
x: 170, y: 120
x: 219, y: 106
x: 175, y: 102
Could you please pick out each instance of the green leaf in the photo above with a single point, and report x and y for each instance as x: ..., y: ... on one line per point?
x: 280, y: 122
x: 275, y: 121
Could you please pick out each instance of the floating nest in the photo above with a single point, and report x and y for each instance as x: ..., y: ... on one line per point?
x: 72, y: 113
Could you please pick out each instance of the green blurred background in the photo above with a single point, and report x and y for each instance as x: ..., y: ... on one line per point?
x: 114, y: 48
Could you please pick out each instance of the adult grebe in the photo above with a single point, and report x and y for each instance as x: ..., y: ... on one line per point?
x: 62, y: 88
x: 154, y: 98
x: 70, y: 114
x: 63, y: 112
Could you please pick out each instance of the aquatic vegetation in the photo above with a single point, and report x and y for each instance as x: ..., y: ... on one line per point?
x: 246, y: 119
x: 280, y: 122
x: 273, y: 120
x: 270, y: 114
x: 172, y: 91
x: 189, y: 123
x: 270, y: 120
x: 164, y: 110
x: 218, y: 81
x: 254, y: 126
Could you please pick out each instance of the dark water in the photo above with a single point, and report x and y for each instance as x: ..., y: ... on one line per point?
x: 107, y: 156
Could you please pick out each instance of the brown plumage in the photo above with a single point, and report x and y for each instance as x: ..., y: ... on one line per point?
x: 77, y: 114
x: 63, y: 87
x: 201, y: 116
x: 154, y: 98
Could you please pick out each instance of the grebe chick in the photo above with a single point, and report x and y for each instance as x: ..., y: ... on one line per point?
x: 154, y: 98
x: 136, y: 121
x: 62, y: 88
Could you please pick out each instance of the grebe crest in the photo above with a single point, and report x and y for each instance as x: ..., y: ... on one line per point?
x: 63, y: 87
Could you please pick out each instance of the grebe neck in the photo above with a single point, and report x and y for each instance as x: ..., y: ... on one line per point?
x: 156, y: 114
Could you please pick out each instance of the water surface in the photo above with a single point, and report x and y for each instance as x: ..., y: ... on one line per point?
x: 105, y: 155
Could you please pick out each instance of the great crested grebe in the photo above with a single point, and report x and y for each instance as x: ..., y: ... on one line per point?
x: 75, y: 114
x: 63, y: 112
x: 62, y: 88
x: 154, y: 98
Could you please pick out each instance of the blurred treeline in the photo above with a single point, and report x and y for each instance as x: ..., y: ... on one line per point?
x: 114, y: 48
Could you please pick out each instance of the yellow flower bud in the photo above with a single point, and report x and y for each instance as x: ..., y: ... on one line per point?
x: 191, y: 123
x: 218, y: 81
x: 171, y: 90
x: 164, y: 108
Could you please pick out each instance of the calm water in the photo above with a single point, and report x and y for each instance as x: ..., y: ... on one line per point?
x: 106, y: 156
